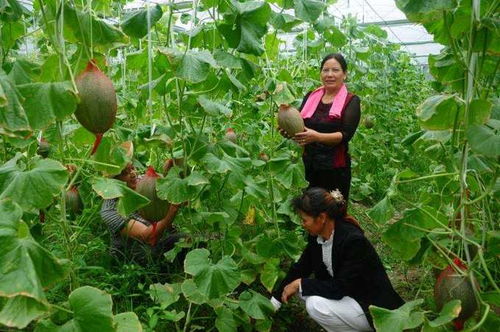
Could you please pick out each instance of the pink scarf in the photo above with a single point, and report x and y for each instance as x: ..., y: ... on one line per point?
x: 315, y: 97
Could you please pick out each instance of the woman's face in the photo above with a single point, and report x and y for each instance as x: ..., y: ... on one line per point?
x: 313, y: 225
x: 332, y: 75
x: 129, y: 176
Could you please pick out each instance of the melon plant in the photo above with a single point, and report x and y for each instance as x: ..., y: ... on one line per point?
x: 74, y: 203
x: 96, y: 110
x: 451, y: 285
x: 157, y: 208
x: 289, y: 120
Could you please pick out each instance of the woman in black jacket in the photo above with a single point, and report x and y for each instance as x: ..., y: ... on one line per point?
x: 348, y: 274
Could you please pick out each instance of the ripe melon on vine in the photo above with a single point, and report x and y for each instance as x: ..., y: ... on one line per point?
x: 289, y: 120
x: 451, y: 285
x: 96, y: 110
x: 74, y: 203
x: 231, y: 135
x: 146, y: 186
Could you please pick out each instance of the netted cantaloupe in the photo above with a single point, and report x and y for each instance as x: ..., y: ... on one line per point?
x: 157, y: 208
x: 96, y: 110
x: 289, y: 120
x: 452, y: 285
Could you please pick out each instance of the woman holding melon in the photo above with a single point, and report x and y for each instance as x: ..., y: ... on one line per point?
x: 331, y: 116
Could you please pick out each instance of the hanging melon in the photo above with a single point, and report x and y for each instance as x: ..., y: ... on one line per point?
x: 451, y: 285
x: 97, y: 108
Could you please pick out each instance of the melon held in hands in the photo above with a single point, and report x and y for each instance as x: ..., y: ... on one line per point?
x: 146, y: 186
x: 289, y: 120
x: 97, y: 108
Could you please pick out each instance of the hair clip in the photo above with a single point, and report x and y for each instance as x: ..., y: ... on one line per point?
x: 337, y: 196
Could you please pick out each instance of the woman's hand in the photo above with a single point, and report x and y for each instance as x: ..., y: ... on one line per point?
x: 306, y: 137
x: 290, y: 290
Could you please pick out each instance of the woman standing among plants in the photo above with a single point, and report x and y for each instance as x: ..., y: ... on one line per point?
x: 331, y: 115
x: 349, y: 276
x: 134, y: 237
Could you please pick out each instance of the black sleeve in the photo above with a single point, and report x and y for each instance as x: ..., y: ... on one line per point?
x: 304, y: 100
x: 350, y: 120
x: 356, y: 257
x: 303, y: 268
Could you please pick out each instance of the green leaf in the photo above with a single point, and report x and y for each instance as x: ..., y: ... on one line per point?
x: 83, y: 27
x: 127, y: 322
x: 12, y: 114
x: 112, y: 157
x: 192, y: 66
x: 19, y: 311
x: 272, y: 43
x: 255, y: 305
x: 269, y: 274
x: 11, y: 33
x: 165, y: 294
x: 425, y: 10
x: 284, y: 22
x: 32, y: 188
x: 192, y: 293
x: 26, y: 269
x: 450, y: 311
x: 213, y: 108
x: 92, y: 309
x: 308, y: 10
x: 484, y: 140
x: 216, y: 165
x: 438, y: 112
x: 213, y: 280
x: 244, y: 28
x: 404, y: 236
x: 225, y: 321
x: 292, y: 176
x: 135, y: 23
x: 382, y: 211
x: 44, y: 103
x: 479, y: 112
x: 128, y: 199
x: 12, y: 10
x: 399, y: 319
x: 177, y: 190
x: 227, y: 60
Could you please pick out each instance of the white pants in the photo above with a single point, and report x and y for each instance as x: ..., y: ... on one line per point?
x: 343, y: 315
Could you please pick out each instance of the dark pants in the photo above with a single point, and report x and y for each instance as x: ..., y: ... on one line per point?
x: 338, y: 178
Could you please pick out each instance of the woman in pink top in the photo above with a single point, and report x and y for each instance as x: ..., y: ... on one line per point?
x: 331, y: 115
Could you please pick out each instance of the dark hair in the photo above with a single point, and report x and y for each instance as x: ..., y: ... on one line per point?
x: 337, y: 56
x: 315, y: 201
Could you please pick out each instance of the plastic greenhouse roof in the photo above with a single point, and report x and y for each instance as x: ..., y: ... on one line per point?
x: 412, y: 37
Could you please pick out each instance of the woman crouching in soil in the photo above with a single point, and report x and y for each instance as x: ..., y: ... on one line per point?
x: 134, y: 238
x: 349, y: 276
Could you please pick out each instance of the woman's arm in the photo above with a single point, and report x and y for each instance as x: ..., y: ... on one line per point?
x: 357, y: 265
x: 303, y: 268
x: 148, y: 234
x: 311, y: 136
x: 350, y: 123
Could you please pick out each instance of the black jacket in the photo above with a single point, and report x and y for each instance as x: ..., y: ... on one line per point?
x: 357, y: 271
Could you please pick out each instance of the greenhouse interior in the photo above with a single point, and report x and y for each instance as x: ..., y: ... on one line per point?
x: 249, y: 165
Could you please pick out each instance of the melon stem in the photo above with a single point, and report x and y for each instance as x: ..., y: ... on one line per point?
x: 97, y: 142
